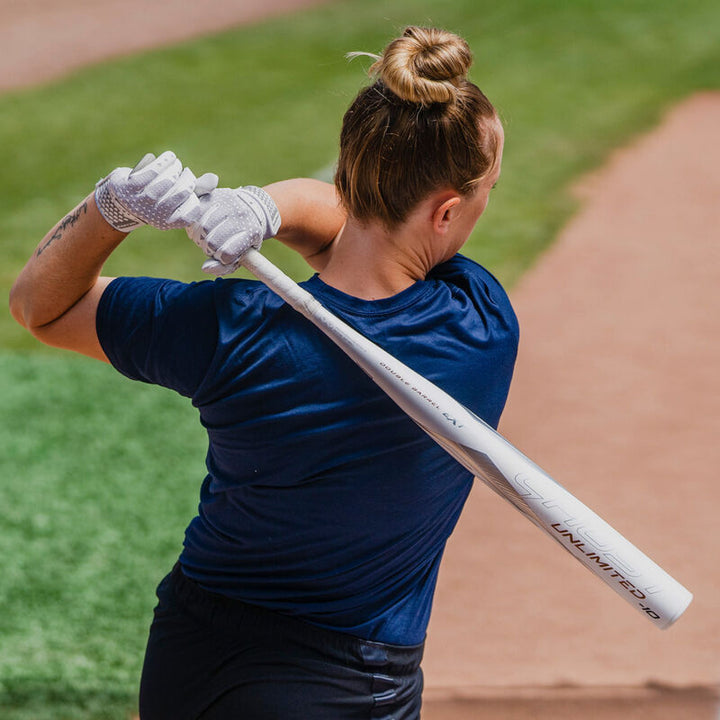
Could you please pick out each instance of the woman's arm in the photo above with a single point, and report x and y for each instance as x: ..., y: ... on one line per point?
x: 311, y: 216
x: 56, y: 294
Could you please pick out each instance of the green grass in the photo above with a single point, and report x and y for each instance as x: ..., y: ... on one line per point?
x: 100, y: 475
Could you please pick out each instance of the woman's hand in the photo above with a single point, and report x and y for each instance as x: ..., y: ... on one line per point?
x: 56, y: 295
x: 232, y: 222
x: 235, y: 220
x: 157, y: 191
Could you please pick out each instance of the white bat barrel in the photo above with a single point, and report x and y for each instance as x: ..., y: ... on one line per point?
x: 591, y: 540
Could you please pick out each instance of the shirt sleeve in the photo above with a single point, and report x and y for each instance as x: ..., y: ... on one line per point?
x: 487, y: 331
x: 480, y: 286
x: 158, y: 331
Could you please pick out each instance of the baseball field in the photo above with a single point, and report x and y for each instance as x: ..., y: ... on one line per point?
x: 100, y: 475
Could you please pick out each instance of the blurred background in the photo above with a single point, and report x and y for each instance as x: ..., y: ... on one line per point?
x: 99, y: 476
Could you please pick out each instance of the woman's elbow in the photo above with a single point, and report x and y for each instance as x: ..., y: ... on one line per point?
x: 24, y: 308
x: 17, y: 303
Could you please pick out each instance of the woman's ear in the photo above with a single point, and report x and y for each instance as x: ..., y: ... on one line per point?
x: 444, y: 214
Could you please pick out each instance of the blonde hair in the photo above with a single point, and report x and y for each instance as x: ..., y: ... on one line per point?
x: 421, y: 126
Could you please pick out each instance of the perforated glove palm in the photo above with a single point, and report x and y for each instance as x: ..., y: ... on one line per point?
x: 232, y: 222
x: 157, y: 191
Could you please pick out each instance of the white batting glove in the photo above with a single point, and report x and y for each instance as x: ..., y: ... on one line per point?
x: 232, y: 222
x: 216, y: 268
x: 157, y: 192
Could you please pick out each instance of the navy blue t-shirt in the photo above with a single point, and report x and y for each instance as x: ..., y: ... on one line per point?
x: 322, y: 499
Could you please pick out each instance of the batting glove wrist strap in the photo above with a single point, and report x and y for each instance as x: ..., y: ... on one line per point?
x: 114, y: 212
x: 264, y: 208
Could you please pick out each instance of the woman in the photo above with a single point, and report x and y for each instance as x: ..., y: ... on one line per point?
x: 305, y: 584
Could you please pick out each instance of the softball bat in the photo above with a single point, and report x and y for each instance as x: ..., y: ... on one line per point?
x: 492, y: 459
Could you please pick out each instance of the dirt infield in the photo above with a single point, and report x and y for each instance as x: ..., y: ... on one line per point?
x: 45, y: 39
x: 616, y: 395
x: 555, y: 703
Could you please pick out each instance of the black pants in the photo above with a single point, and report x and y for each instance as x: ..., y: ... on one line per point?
x: 213, y: 658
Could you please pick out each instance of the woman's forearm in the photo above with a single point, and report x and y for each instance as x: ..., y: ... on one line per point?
x: 64, y: 267
x: 311, y: 216
x: 68, y: 261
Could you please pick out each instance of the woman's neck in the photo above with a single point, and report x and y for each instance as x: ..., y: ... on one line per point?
x: 371, y: 262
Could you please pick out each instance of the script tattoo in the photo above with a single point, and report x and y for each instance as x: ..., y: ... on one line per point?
x: 63, y: 225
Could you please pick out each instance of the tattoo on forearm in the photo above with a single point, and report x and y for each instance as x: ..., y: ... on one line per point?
x: 63, y: 225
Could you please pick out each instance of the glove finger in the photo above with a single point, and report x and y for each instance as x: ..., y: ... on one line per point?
x: 166, y: 159
x: 200, y: 230
x: 146, y: 160
x: 216, y: 236
x: 213, y: 267
x: 212, y: 209
x: 194, y: 232
x: 159, y: 186
x: 179, y: 192
x: 152, y: 170
x: 237, y: 245
x: 186, y: 213
x: 118, y: 176
x: 206, y: 183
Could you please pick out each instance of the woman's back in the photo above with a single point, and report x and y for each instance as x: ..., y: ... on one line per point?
x: 323, y: 499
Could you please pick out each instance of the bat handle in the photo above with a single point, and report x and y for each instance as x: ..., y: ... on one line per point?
x: 271, y: 275
x: 286, y: 288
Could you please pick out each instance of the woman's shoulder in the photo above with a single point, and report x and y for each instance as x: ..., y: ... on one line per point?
x: 472, y: 279
x: 460, y: 266
x: 245, y: 295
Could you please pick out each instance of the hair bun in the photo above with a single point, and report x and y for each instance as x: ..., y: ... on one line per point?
x: 425, y: 65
